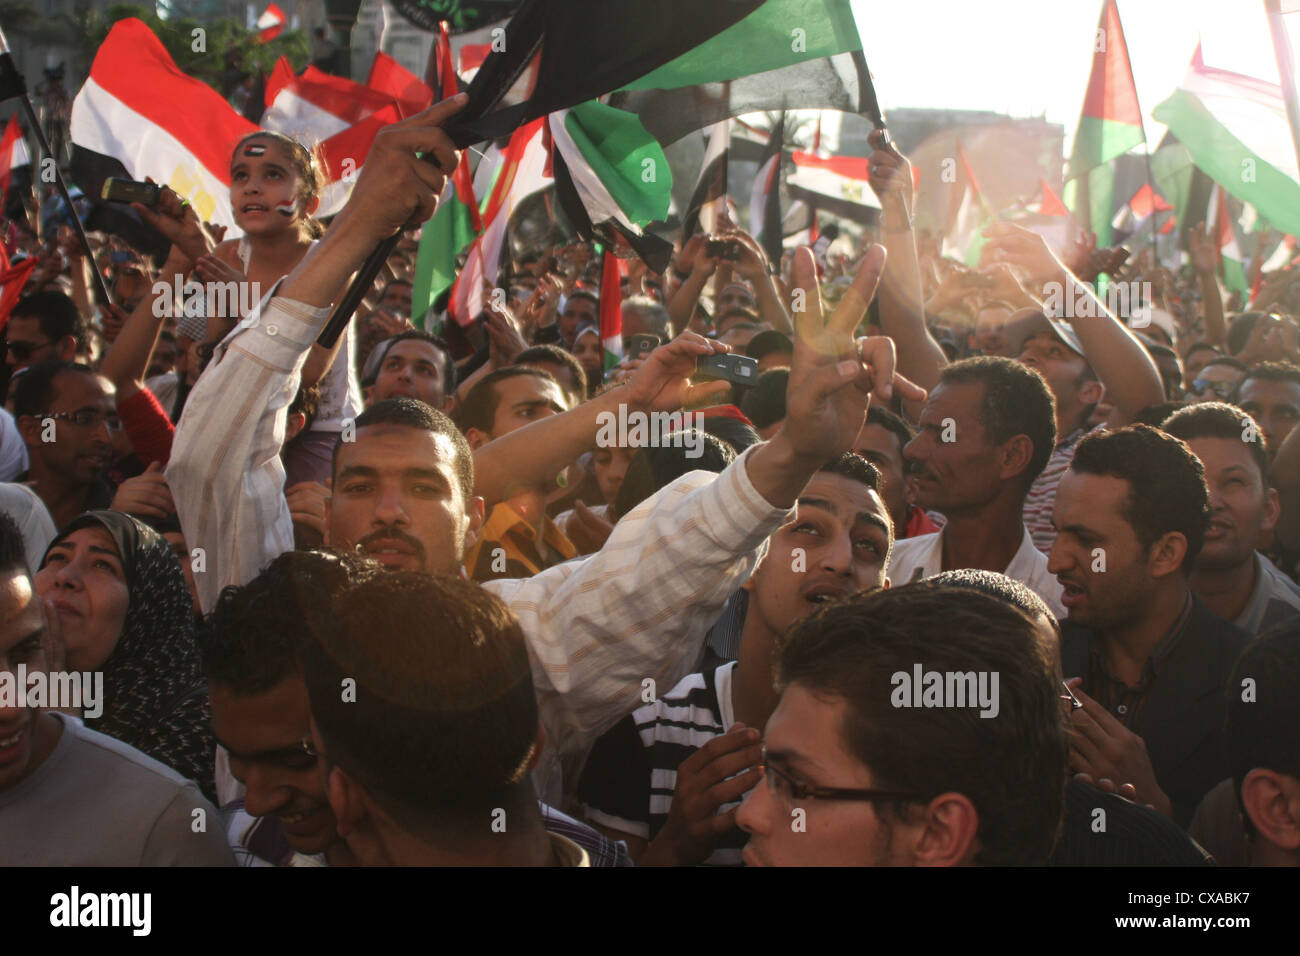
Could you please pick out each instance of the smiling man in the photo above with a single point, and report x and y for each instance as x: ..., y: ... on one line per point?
x: 851, y: 779
x: 667, y: 778
x: 70, y: 796
x: 1231, y: 577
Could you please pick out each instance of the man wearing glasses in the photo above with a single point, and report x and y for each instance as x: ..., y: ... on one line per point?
x: 1217, y: 381
x: 853, y: 778
x: 67, y: 418
x: 42, y: 328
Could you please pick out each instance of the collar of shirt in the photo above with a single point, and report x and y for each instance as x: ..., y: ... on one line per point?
x: 505, y: 520
x: 1157, y: 658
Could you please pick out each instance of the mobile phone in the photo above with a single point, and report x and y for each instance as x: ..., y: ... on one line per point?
x: 728, y: 249
x: 128, y: 190
x: 737, y: 369
x: 641, y: 344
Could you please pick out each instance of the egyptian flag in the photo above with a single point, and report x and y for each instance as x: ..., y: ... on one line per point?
x: 836, y: 184
x: 13, y: 157
x: 611, y: 309
x: 709, y: 201
x: 548, y: 60
x: 270, y: 23
x: 612, y: 178
x: 140, y: 116
x: 12, y: 280
x: 522, y: 173
x: 1109, y: 126
x: 765, y: 199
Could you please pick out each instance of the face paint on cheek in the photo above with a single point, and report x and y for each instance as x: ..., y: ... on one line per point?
x: 286, y: 209
x: 254, y: 149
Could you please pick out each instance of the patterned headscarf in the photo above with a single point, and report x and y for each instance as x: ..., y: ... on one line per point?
x: 155, y: 695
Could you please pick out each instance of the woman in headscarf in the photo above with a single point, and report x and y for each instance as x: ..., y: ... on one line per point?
x: 590, y: 353
x: 124, y: 609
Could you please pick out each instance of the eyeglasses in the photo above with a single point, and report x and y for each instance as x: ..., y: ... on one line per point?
x: 788, y: 791
x: 1221, y: 390
x: 87, y: 418
x: 23, y: 351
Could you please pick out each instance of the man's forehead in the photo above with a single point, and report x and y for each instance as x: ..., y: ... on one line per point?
x: 806, y: 729
x: 1091, y: 496
x: 415, y: 348
x: 846, y: 496
x: 878, y: 439
x: 1279, y: 391
x: 81, y: 388
x: 1221, y: 452
x: 272, y: 719
x: 525, y: 388
x: 391, y: 447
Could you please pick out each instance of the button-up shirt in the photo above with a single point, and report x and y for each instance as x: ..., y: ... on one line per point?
x: 596, y: 627
x: 922, y: 557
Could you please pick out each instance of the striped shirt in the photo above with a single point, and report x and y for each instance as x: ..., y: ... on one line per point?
x: 630, y: 778
x: 1042, y: 493
x: 596, y: 627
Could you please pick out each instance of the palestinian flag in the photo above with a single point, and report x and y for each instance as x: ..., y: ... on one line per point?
x: 611, y: 309
x: 1234, y: 125
x: 270, y: 23
x: 837, y: 185
x: 1224, y: 233
x: 1134, y: 217
x: 1109, y: 126
x: 549, y: 60
x: 709, y: 201
x: 1049, y: 204
x: 455, y: 223
x: 522, y: 173
x: 138, y: 114
x: 13, y: 157
x: 612, y: 178
x: 765, y: 199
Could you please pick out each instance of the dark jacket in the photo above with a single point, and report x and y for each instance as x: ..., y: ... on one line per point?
x: 1182, y: 717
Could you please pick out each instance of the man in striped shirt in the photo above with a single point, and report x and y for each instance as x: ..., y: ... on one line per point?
x: 667, y: 779
x: 407, y: 490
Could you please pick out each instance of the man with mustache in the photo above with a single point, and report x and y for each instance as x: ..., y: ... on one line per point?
x: 985, y: 433
x: 598, y: 627
x: 1231, y: 577
x: 1130, y: 517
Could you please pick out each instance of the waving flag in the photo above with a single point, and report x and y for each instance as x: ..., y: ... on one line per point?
x: 965, y: 238
x: 13, y: 156
x: 765, y: 198
x: 1109, y: 126
x: 390, y: 78
x: 1133, y: 217
x: 137, y: 108
x: 1224, y: 233
x: 611, y: 309
x: 270, y: 23
x: 1233, y: 125
x: 709, y: 201
x: 834, y: 184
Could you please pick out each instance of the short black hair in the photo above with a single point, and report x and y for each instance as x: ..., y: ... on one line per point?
x: 444, y: 721
x: 413, y: 413
x: 767, y: 342
x: 1166, y: 483
x: 654, y: 467
x: 56, y: 312
x: 1016, y: 401
x: 34, y: 390
x: 1239, y: 329
x: 13, y: 552
x: 251, y: 640
x: 1264, y: 731
x: 764, y: 403
x: 438, y: 342
x: 853, y: 466
x: 1012, y: 768
x: 1220, y: 420
x: 582, y: 294
x: 997, y: 585
x: 479, y: 408
x: 1155, y: 414
x: 877, y: 414
x: 1272, y: 372
x: 732, y: 431
x: 556, y: 356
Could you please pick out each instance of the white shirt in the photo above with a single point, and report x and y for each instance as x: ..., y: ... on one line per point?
x: 922, y: 557
x: 596, y: 628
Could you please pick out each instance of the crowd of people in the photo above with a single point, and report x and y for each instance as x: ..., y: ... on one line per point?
x: 956, y: 578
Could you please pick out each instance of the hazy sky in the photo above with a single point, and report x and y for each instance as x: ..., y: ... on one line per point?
x: 1032, y: 57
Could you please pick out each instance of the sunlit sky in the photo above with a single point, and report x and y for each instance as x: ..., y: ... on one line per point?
x: 1032, y: 57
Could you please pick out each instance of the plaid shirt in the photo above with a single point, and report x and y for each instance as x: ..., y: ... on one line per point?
x: 596, y: 627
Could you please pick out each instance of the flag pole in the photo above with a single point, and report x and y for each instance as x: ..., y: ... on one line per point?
x: 1285, y: 69
x: 13, y: 85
